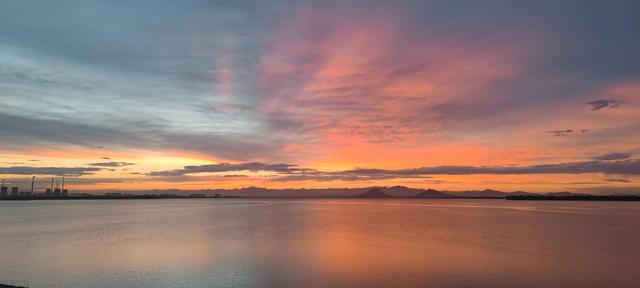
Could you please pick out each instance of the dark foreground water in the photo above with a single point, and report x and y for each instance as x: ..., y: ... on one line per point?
x: 319, y: 243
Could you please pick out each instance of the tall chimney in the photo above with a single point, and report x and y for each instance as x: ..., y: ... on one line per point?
x: 33, y: 180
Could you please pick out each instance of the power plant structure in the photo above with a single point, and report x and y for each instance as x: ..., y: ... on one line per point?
x: 54, y: 190
x: 4, y: 190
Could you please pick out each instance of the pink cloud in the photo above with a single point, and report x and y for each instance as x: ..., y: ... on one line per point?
x: 337, y: 77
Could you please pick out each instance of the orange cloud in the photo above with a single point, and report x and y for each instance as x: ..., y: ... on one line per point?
x: 353, y: 85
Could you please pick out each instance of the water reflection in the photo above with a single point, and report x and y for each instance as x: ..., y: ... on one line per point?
x: 319, y: 243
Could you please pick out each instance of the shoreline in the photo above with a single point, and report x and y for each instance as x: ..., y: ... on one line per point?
x: 11, y: 286
x: 509, y: 197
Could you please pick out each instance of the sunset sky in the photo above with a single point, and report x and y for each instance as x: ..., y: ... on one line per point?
x: 450, y: 95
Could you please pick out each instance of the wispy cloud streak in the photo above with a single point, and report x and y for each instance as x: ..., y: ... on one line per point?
x: 111, y: 164
x: 604, y: 103
x: 227, y: 167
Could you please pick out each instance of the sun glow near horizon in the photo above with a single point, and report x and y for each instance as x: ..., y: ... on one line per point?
x: 322, y: 94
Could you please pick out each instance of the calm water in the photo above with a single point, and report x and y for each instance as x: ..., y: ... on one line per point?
x: 319, y: 243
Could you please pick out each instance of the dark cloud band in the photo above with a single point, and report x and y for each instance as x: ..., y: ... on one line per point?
x: 227, y: 167
x: 289, y: 172
x: 604, y: 103
x: 55, y: 171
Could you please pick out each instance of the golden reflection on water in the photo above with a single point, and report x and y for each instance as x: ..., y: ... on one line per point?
x: 319, y: 243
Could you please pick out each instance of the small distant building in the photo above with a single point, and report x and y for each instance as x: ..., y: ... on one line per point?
x: 48, y: 191
x: 4, y: 191
x: 57, y: 191
x: 197, y: 196
x: 14, y: 191
x: 216, y: 195
x: 113, y: 194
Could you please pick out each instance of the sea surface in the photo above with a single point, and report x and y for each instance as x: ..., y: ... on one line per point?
x: 319, y: 243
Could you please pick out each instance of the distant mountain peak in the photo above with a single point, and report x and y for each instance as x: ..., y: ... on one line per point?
x: 374, y: 192
x: 432, y: 193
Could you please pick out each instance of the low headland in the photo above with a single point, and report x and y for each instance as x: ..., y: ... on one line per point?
x: 10, y: 286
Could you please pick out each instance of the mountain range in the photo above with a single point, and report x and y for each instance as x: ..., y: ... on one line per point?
x: 367, y: 192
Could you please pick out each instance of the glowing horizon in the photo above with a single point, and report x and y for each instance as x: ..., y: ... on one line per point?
x: 450, y: 96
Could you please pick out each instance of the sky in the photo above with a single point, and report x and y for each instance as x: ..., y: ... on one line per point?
x: 450, y: 95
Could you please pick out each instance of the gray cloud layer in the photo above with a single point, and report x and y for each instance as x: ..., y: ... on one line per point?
x: 623, y: 167
x: 566, y: 132
x: 604, y: 103
x: 289, y: 172
x: 55, y: 171
x: 612, y: 156
x: 608, y: 167
x: 93, y: 73
x: 226, y: 167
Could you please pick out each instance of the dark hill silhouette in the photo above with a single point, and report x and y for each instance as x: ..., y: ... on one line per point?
x: 401, y: 191
x: 431, y: 193
x: 520, y: 193
x: 373, y: 193
x: 564, y: 194
x: 487, y: 193
x: 260, y: 192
